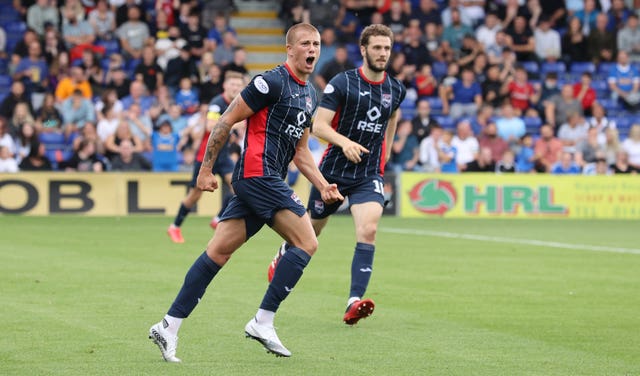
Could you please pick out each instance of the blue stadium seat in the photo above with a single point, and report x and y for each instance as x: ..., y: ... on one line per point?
x: 445, y: 121
x: 581, y: 67
x: 110, y: 46
x: 5, y: 81
x: 532, y: 124
x: 407, y: 104
x: 531, y: 67
x: 557, y: 67
x: 605, y: 67
x: 439, y: 69
x: 15, y: 28
x: 609, y: 104
x: 623, y: 123
x: 436, y: 105
x: 53, y: 140
x: 4, y: 64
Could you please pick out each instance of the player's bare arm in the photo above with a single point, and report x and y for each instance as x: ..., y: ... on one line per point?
x: 390, y: 133
x: 237, y: 112
x: 307, y: 166
x: 322, y: 128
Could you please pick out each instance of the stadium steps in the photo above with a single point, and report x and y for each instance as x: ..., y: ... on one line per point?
x: 261, y: 32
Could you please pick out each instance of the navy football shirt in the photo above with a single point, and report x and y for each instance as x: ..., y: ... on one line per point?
x: 363, y: 109
x: 283, y: 106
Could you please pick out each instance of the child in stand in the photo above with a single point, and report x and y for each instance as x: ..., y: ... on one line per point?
x: 187, y: 97
x: 447, y: 153
x: 166, y: 146
x: 525, y: 156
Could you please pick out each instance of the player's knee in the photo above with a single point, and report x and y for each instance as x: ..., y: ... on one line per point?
x: 367, y: 232
x: 309, y: 245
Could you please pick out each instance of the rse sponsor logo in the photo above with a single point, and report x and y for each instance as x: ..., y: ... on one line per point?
x: 369, y: 127
x: 293, y: 131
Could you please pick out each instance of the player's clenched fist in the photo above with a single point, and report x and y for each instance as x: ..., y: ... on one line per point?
x: 207, y: 181
x: 330, y: 194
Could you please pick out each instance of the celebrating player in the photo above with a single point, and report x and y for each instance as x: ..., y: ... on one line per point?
x: 278, y: 106
x: 358, y: 112
x: 233, y: 83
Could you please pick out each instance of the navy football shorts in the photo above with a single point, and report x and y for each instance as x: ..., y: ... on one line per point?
x: 258, y: 199
x: 369, y: 189
x: 221, y: 167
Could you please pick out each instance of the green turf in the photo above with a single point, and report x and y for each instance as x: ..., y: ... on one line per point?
x: 79, y: 294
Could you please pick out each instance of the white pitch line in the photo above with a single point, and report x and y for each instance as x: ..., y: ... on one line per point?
x: 500, y: 239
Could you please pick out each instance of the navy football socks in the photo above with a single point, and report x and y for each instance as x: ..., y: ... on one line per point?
x: 287, y: 274
x: 195, y: 283
x: 182, y: 214
x: 361, y: 268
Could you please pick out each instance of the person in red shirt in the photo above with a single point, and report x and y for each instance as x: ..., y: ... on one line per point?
x: 521, y: 93
x: 583, y: 92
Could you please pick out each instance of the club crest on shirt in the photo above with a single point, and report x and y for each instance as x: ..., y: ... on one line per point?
x: 329, y: 89
x: 296, y: 199
x: 386, y: 100
x: 318, y: 206
x: 261, y: 85
x: 309, y: 104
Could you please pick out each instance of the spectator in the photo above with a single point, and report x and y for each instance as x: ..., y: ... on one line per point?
x: 76, y: 111
x: 161, y: 104
x: 413, y: 48
x: 507, y: 163
x: 133, y: 34
x: 496, y: 53
x: 589, y: 149
x: 128, y: 159
x: 621, y: 165
x: 223, y: 54
x: 137, y: 94
x: 109, y: 98
x: 329, y: 46
x: 89, y: 133
x: 36, y: 160
x: 547, y: 41
x: 524, y: 44
x: 446, y: 84
x: 558, y: 107
x: 471, y: 53
x: 574, y: 43
x: 346, y: 24
x: 510, y: 127
x: 632, y: 146
x: 440, y: 50
x: 85, y: 159
x: 491, y: 86
x: 6, y: 139
x: 174, y: 117
x: 486, y: 33
x: 405, y: 149
x: 8, y: 164
x: 454, y: 32
x: 93, y: 70
x: 16, y: 95
x: 41, y: 13
x: 397, y: 20
x: 587, y: 16
x: 624, y: 82
x: 77, y: 81
x: 194, y: 34
x: 573, y: 132
x: 116, y: 79
x: 428, y: 13
x: 26, y: 136
x: 59, y: 69
x: 465, y: 96
x: 54, y: 46
x: 72, y: 6
x: 425, y: 83
x: 566, y: 165
x: 123, y: 9
x: 490, y: 139
x: 239, y: 62
x: 48, y: 118
x: 3, y: 43
x: 600, y: 121
x: 547, y: 149
x: 21, y: 115
x: 398, y: 68
x: 187, y: 98
x: 103, y: 20
x: 601, y: 42
x: 339, y: 63
x: 220, y: 26
x: 525, y: 159
x: 179, y: 67
x: 482, y: 119
x: 188, y: 160
x: 429, y: 158
x: 77, y: 33
x: 448, y: 17
x: 555, y: 11
x: 140, y: 125
x: 113, y: 142
x: 204, y: 65
x: 618, y: 15
x: 611, y: 145
x: 466, y: 145
x: 583, y: 92
x: 628, y: 39
x: 165, y: 144
x: 521, y: 92
x: 447, y: 153
x: 483, y: 163
x: 168, y: 47
x: 109, y: 121
x: 422, y: 122
x: 148, y: 71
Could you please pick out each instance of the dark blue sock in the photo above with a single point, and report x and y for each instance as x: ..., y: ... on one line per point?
x: 361, y: 268
x: 195, y: 283
x: 182, y: 214
x: 287, y: 274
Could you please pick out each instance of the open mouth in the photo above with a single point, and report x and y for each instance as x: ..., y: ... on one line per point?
x: 310, y: 60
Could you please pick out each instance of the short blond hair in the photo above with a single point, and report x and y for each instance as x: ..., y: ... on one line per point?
x: 293, y: 31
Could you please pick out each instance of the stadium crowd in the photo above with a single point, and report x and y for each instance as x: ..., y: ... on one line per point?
x: 493, y: 85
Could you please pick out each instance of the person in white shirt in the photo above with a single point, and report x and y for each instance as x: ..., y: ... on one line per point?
x: 428, y: 152
x: 547, y: 41
x: 466, y: 145
x: 7, y: 162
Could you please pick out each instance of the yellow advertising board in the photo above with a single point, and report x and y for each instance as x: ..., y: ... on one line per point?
x: 105, y: 194
x: 519, y: 196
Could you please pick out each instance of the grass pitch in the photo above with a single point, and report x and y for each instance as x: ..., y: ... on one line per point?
x: 79, y: 294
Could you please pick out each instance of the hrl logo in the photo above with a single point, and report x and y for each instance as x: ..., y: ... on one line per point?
x: 433, y: 196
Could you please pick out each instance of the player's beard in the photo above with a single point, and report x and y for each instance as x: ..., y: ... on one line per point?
x: 372, y: 64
